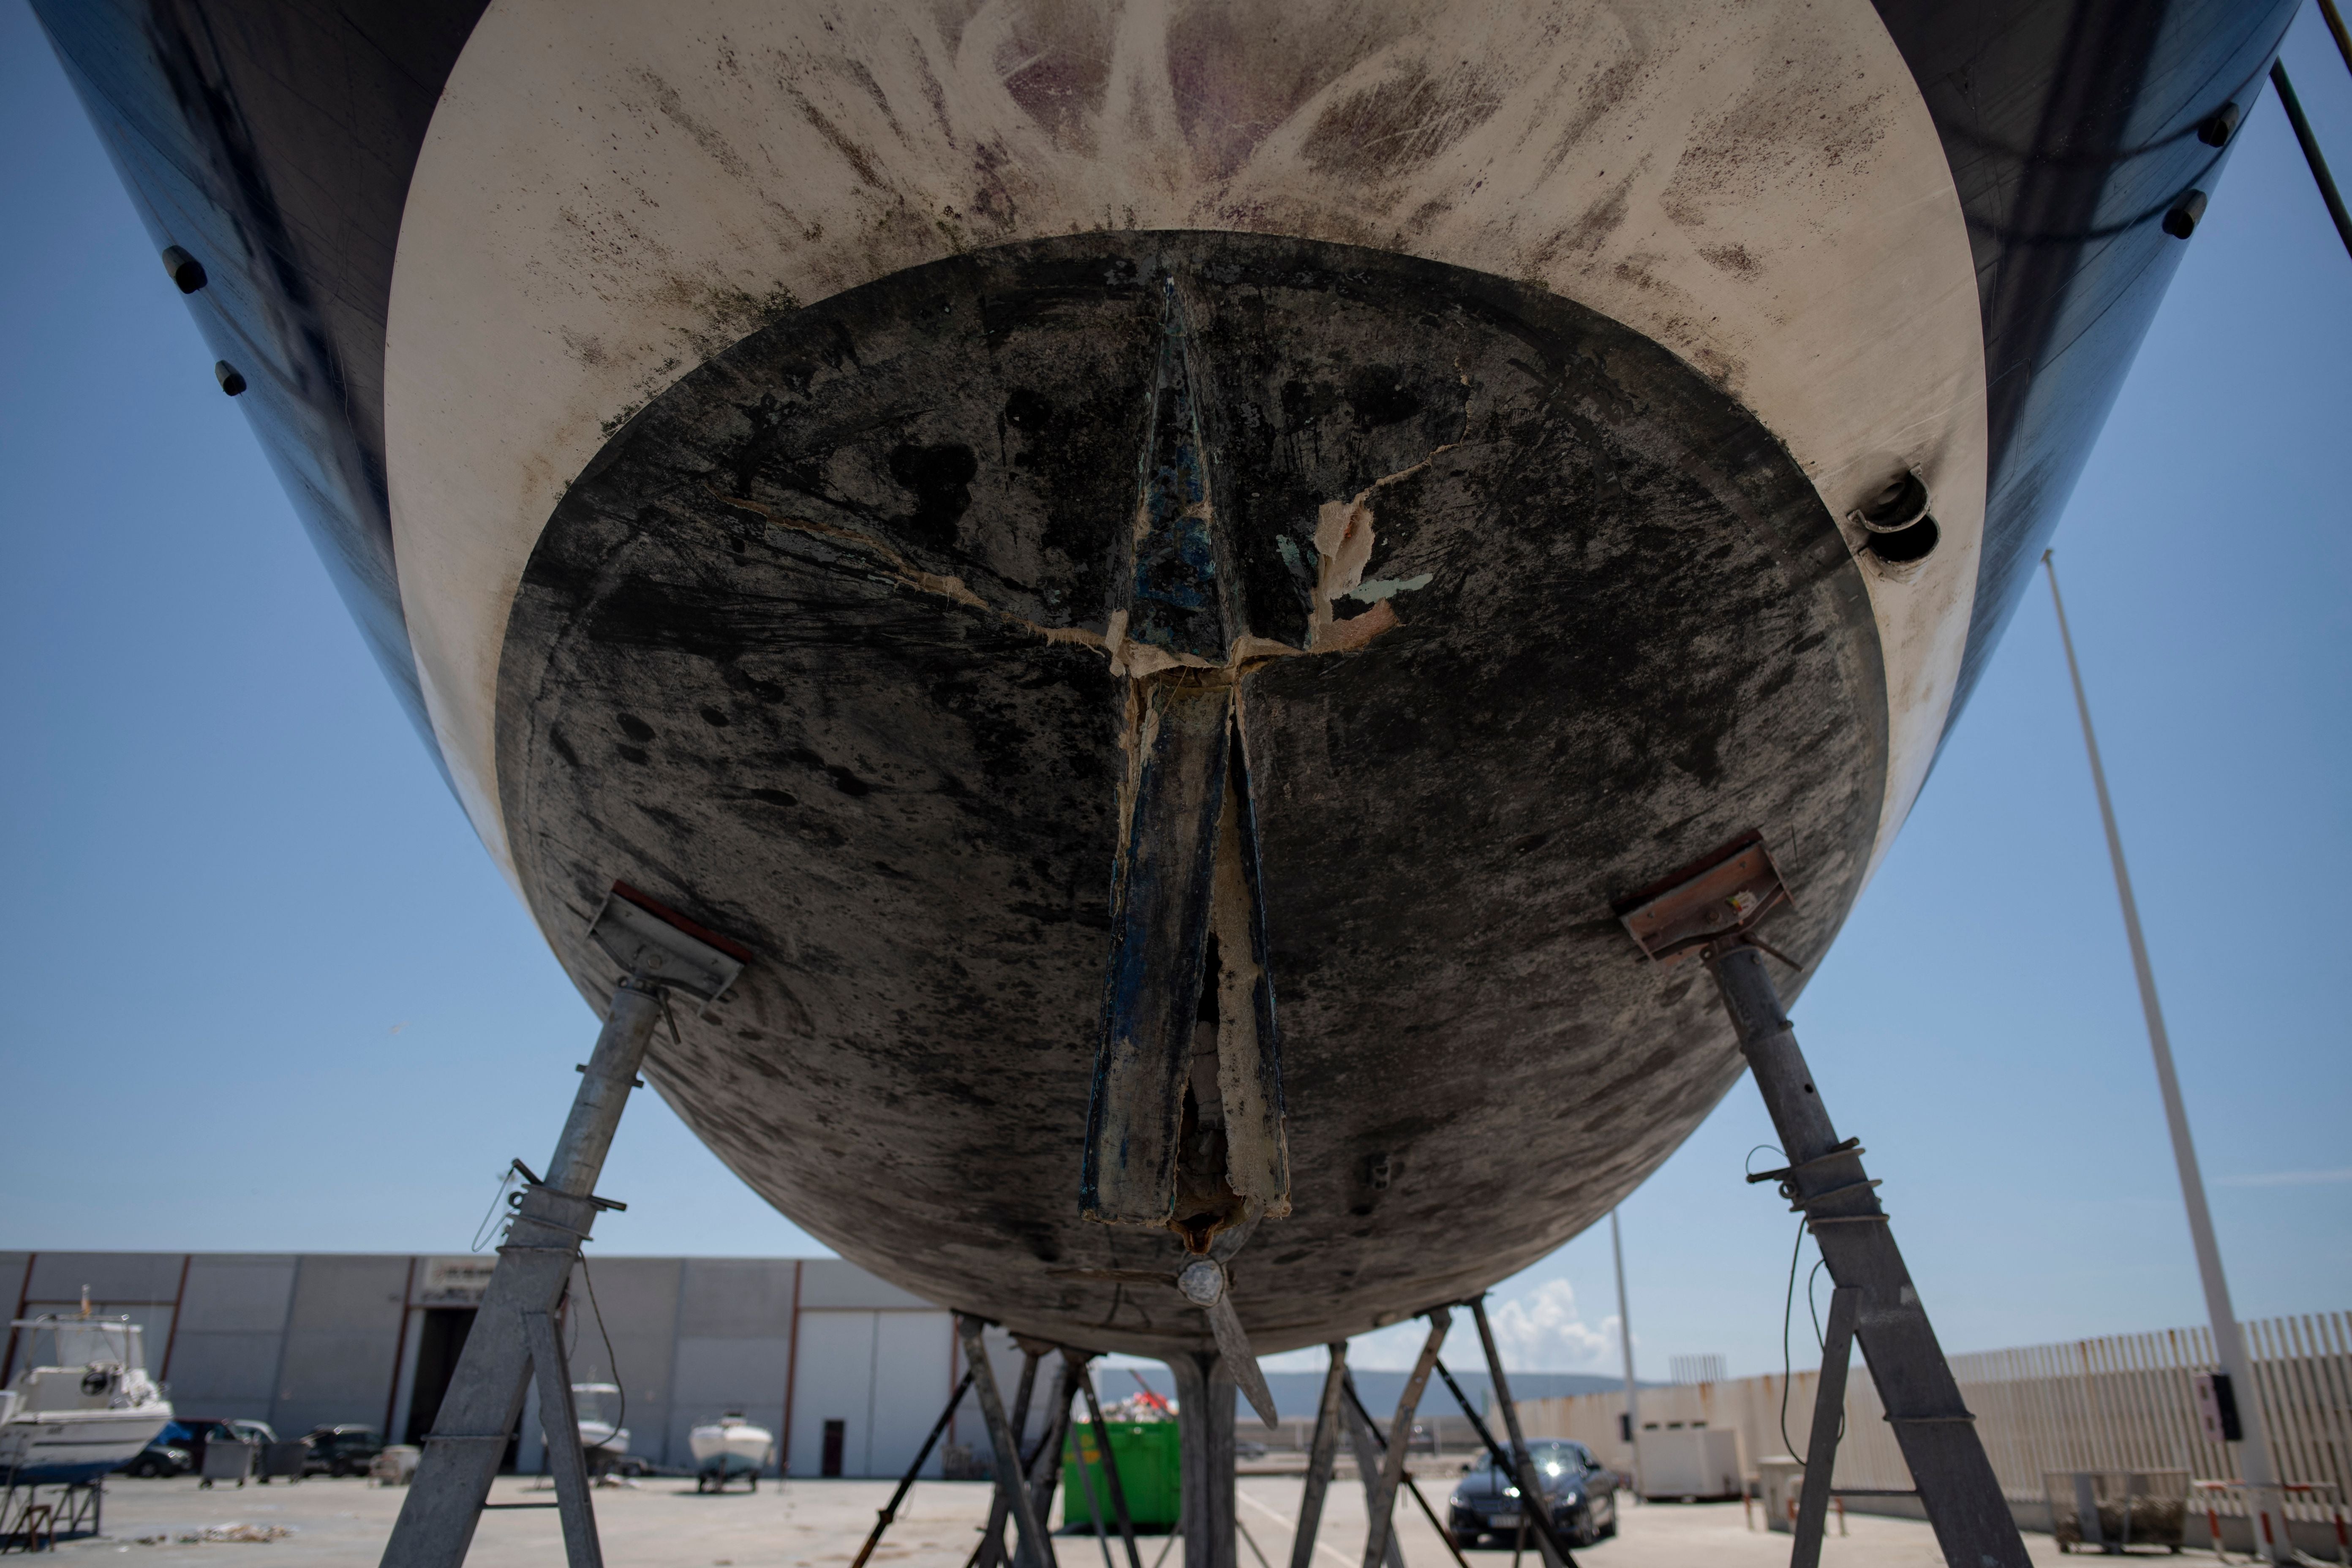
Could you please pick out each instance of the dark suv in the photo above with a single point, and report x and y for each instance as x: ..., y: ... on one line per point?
x: 1580, y: 1494
x: 341, y: 1450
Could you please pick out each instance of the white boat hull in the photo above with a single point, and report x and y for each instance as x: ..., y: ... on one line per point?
x: 603, y: 1436
x: 51, y: 1447
x: 736, y: 1451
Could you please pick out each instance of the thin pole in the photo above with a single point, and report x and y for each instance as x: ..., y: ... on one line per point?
x: 2311, y: 153
x: 2336, y: 30
x: 889, y: 1511
x: 2229, y: 1344
x: 1625, y: 1338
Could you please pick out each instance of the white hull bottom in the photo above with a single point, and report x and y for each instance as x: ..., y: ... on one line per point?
x: 732, y: 1450
x: 53, y: 1447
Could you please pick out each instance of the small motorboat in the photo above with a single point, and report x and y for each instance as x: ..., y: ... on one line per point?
x: 86, y: 1409
x: 729, y: 1448
x: 603, y: 1442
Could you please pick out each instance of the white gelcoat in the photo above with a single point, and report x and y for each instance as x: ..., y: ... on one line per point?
x: 611, y: 191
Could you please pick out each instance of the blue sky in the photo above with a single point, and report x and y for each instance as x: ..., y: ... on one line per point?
x: 266, y: 991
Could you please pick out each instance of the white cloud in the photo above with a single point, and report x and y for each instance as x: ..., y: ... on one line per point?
x: 1540, y: 1330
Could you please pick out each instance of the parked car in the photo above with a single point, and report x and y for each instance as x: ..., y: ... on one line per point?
x: 345, y: 1450
x: 159, y: 1458
x: 1580, y: 1491
x: 189, y: 1434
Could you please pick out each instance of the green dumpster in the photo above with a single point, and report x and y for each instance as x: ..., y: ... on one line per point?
x: 1146, y: 1453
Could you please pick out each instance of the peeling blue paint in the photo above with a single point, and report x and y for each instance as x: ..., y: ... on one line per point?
x: 1386, y: 588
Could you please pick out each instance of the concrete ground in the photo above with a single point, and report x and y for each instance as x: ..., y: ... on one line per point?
x: 664, y: 1523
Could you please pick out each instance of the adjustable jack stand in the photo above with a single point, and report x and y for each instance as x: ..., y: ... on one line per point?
x: 1032, y: 1547
x: 1710, y: 910
x: 889, y: 1511
x: 514, y: 1331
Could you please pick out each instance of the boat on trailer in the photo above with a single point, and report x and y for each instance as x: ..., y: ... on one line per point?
x: 729, y: 1450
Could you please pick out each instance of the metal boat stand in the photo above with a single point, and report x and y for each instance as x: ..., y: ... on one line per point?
x: 1364, y: 1423
x: 1547, y: 1541
x: 514, y: 1334
x: 1710, y: 910
x: 29, y: 1524
x: 1112, y: 1484
x: 990, y: 1553
x: 1380, y: 1460
x: 1024, y: 1489
x: 889, y: 1511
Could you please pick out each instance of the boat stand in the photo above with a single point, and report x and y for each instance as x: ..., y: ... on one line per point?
x: 1342, y: 1409
x: 1205, y: 1432
x: 1364, y: 1423
x: 1710, y: 910
x: 28, y: 1525
x: 1379, y: 1532
x: 1112, y: 1484
x: 990, y: 1552
x: 1023, y: 1488
x: 889, y: 1511
x: 514, y: 1329
x: 1547, y: 1539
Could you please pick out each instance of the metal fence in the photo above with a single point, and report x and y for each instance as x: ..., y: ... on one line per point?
x: 2123, y: 1403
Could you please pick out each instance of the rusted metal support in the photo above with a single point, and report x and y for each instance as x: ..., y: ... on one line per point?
x: 990, y: 1553
x: 1824, y: 1180
x: 1110, y: 1470
x: 1033, y: 1549
x: 1503, y: 1460
x: 1372, y: 1431
x: 1381, y: 1527
x: 1320, y: 1455
x: 1204, y: 1419
x: 1046, y: 1460
x: 890, y: 1510
x: 1523, y: 1464
x: 1828, y: 1423
x: 1709, y: 909
x: 1366, y: 1442
x: 561, y: 1420
x: 485, y: 1399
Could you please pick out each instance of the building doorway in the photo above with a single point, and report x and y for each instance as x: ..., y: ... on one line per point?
x: 836, y: 1438
x: 440, y: 1338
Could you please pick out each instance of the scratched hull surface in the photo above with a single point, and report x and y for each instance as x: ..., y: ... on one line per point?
x: 726, y: 423
x: 813, y: 646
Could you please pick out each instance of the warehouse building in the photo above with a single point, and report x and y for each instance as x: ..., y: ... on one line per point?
x: 847, y: 1370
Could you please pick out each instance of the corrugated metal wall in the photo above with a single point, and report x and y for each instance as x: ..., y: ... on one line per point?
x: 2124, y: 1401
x: 317, y: 1339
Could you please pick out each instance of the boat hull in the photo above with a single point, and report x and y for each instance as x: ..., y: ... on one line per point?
x: 726, y: 421
x: 68, y: 1445
x: 863, y: 719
